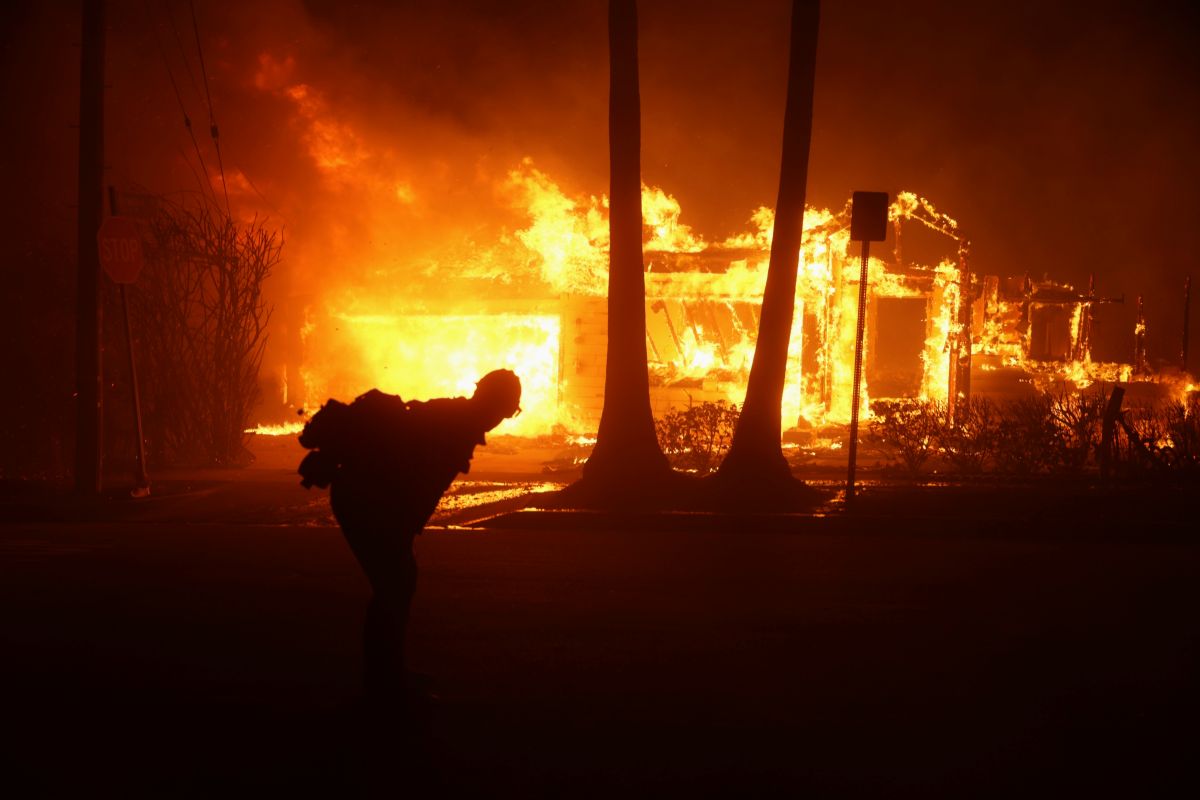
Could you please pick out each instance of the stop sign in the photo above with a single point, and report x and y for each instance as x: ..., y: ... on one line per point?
x: 120, y: 249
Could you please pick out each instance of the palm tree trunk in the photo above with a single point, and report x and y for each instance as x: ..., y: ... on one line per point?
x: 626, y: 451
x: 755, y: 456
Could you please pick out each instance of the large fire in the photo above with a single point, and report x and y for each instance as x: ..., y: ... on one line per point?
x: 532, y: 299
x: 535, y: 303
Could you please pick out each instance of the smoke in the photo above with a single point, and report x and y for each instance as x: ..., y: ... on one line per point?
x: 377, y: 133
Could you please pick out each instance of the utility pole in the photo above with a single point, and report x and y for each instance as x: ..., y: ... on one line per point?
x: 88, y: 364
x: 1187, y: 313
x: 966, y: 319
x: 1140, y: 366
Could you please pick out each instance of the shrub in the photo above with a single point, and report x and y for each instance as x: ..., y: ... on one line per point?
x: 1182, y: 426
x: 1043, y: 434
x: 203, y: 323
x: 908, y: 429
x: 1029, y: 439
x: 971, y: 440
x: 1143, y: 445
x: 696, y: 438
x: 1079, y: 419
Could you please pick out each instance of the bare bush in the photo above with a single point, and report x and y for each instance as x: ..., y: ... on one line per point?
x: 1079, y: 418
x: 202, y: 318
x: 1182, y: 426
x: 909, y: 429
x: 1029, y: 440
x: 1041, y: 435
x: 1142, y: 444
x: 696, y: 438
x: 970, y: 442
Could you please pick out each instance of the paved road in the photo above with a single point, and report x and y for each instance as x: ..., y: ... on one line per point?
x: 201, y: 660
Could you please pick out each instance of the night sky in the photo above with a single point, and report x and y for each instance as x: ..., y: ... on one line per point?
x: 1061, y: 136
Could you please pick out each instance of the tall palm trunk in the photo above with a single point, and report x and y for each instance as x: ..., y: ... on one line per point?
x: 627, y: 451
x: 755, y: 456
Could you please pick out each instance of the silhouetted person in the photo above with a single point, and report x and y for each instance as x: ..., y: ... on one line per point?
x: 388, y: 462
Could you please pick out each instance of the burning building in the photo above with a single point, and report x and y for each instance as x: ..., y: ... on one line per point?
x: 535, y: 301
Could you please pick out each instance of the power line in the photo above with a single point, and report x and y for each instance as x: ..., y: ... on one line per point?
x: 201, y: 182
x: 262, y: 196
x: 212, y: 119
x: 187, y: 64
x: 205, y: 184
x: 187, y: 120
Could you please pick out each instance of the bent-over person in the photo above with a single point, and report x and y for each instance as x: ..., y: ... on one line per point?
x: 387, y: 463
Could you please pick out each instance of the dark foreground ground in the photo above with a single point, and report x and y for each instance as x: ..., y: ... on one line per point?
x: 170, y: 659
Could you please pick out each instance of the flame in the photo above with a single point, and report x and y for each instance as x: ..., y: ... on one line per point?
x: 942, y: 329
x: 523, y: 287
x: 419, y: 356
x: 703, y: 324
x: 282, y: 429
x: 433, y: 327
x: 660, y: 213
x: 568, y: 238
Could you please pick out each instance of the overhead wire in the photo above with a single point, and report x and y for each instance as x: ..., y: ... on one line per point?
x: 187, y: 120
x: 212, y: 119
x: 202, y: 182
x: 263, y: 197
x: 187, y: 64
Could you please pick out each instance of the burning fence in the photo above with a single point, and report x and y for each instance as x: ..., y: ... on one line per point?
x: 535, y: 302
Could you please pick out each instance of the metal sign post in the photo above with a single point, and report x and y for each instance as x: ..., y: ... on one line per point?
x: 121, y: 256
x: 868, y: 223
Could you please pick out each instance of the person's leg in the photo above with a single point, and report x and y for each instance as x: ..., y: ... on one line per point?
x: 393, y: 577
x: 378, y: 651
x: 364, y: 532
x: 382, y: 544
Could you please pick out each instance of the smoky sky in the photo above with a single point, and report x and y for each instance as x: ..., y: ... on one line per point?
x: 1062, y: 136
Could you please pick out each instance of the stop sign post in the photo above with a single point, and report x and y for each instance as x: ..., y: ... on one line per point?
x: 120, y: 249
x: 121, y: 257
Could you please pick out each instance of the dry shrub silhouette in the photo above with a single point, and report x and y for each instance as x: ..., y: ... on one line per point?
x: 970, y: 442
x: 202, y: 320
x: 696, y: 438
x: 907, y: 430
x: 1040, y: 435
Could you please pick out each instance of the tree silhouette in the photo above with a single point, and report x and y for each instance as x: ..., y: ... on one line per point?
x: 756, y: 457
x: 627, y: 462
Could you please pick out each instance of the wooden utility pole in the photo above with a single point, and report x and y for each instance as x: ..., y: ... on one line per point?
x: 1140, y: 364
x: 1187, y: 313
x: 88, y: 364
x: 966, y: 318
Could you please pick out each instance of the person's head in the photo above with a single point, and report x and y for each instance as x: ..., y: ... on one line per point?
x: 498, y: 397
